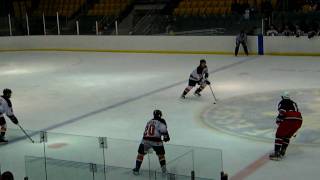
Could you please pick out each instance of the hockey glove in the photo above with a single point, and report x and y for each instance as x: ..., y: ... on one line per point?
x: 207, y: 82
x: 14, y: 119
x: 206, y: 75
x: 166, y: 138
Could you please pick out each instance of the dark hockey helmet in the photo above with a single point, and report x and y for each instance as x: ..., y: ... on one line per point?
x: 203, y: 61
x: 157, y: 114
x: 7, y: 92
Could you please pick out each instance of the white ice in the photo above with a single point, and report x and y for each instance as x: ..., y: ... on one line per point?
x: 50, y: 88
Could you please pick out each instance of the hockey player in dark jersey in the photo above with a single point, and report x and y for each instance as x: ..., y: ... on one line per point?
x: 6, y: 108
x: 241, y: 39
x: 289, y: 120
x: 198, y: 76
x: 155, y: 130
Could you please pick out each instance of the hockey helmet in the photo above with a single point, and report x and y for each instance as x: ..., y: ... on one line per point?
x: 7, y: 92
x: 157, y: 113
x: 203, y: 61
x: 286, y: 95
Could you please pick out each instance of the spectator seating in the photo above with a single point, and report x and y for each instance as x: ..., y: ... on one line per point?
x: 20, y: 8
x: 109, y: 7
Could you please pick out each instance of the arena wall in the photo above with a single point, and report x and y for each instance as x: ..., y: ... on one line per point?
x: 161, y: 44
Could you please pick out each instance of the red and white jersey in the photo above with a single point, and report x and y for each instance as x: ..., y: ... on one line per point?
x: 154, y: 130
x: 292, y: 115
x: 5, y: 107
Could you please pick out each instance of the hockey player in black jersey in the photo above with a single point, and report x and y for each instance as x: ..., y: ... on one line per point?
x: 241, y: 39
x: 198, y: 76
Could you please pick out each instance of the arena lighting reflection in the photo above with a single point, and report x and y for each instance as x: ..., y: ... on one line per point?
x: 115, y: 79
x: 16, y: 71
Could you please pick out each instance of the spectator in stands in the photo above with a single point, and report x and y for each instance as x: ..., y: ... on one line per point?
x: 272, y: 31
x: 7, y: 176
x: 286, y: 31
x: 311, y: 33
x: 313, y: 30
x: 298, y: 31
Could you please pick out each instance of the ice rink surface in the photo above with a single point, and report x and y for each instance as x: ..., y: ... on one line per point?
x: 114, y: 94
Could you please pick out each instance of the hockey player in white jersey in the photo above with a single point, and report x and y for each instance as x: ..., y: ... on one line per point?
x: 6, y: 108
x: 198, y: 76
x: 155, y: 133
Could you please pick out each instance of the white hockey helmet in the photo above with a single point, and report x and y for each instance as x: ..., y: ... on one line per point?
x: 286, y: 95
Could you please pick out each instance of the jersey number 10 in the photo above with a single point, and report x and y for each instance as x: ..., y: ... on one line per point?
x: 149, y: 131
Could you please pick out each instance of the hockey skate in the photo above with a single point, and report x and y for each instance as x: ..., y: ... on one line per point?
x: 283, y: 151
x: 3, y: 140
x: 182, y: 96
x: 164, y: 170
x: 283, y: 154
x: 197, y: 93
x: 276, y: 156
x: 135, y: 171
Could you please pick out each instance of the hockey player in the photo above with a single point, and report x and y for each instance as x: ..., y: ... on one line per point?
x: 241, y: 39
x: 6, y: 108
x: 198, y: 76
x: 289, y: 121
x: 155, y: 130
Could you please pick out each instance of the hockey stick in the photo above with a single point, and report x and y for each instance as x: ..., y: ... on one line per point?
x: 25, y: 133
x: 215, y: 99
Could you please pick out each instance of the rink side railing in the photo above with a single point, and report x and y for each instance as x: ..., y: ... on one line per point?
x: 56, y: 156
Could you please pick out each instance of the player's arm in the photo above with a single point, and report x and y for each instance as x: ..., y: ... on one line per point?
x: 11, y: 116
x: 280, y: 118
x: 164, y: 131
x: 163, y: 121
x: 295, y: 106
x: 281, y: 109
x: 206, y: 74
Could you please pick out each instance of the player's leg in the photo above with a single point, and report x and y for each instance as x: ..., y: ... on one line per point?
x: 237, y: 49
x: 245, y: 48
x: 284, y: 146
x: 141, y: 152
x: 277, y: 147
x: 191, y: 84
x: 161, y: 155
x: 3, y: 129
x: 200, y: 88
x: 279, y: 141
x: 293, y: 127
